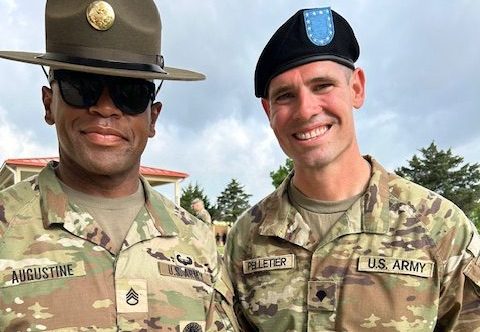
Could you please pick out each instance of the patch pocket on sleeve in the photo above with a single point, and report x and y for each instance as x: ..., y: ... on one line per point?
x: 19, y: 273
x: 225, y: 288
x: 223, y: 297
x: 472, y: 272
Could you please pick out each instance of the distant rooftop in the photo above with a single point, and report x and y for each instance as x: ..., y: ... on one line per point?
x: 144, y: 170
x: 15, y: 170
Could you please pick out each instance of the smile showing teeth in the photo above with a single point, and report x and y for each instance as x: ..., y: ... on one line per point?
x: 312, y: 133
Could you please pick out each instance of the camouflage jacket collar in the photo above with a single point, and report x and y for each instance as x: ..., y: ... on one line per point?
x: 56, y: 209
x: 281, y: 219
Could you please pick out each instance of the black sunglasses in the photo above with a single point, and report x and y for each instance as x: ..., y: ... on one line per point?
x: 78, y: 89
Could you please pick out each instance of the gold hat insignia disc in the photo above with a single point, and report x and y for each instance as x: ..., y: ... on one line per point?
x: 100, y: 15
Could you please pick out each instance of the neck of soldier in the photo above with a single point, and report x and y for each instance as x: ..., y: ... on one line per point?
x: 343, y: 178
x: 90, y: 183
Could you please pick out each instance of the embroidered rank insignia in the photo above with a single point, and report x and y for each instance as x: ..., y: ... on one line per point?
x: 131, y: 295
x: 415, y: 267
x: 269, y: 263
x: 322, y: 295
x: 319, y: 25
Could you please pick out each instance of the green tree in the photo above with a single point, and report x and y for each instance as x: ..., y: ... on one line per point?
x: 475, y: 216
x: 447, y: 175
x: 232, y: 202
x: 281, y: 173
x: 190, y: 193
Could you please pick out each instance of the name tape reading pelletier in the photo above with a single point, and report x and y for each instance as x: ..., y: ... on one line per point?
x: 269, y: 263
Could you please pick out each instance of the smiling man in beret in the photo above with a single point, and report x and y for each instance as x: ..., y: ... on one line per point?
x: 342, y: 244
x: 88, y: 245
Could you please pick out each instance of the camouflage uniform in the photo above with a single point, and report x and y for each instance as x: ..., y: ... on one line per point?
x: 401, y: 259
x: 57, y: 272
x: 205, y: 216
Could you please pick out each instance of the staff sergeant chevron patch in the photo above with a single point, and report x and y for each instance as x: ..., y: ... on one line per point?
x: 131, y: 295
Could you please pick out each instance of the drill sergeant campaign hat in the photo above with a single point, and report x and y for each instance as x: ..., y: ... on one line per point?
x: 112, y: 37
x: 309, y: 35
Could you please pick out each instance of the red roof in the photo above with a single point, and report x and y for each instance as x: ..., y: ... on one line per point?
x: 145, y: 171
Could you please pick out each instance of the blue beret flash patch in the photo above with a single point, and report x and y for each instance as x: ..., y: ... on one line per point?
x: 319, y: 25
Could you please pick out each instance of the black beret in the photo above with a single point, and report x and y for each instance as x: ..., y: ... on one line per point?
x: 309, y: 35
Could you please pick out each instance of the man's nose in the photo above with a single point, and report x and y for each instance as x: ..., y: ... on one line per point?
x: 308, y: 105
x: 105, y: 106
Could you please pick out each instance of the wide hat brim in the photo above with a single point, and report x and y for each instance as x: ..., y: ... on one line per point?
x: 170, y: 73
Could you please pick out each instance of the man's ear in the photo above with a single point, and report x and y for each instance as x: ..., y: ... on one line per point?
x: 155, y: 110
x: 358, y: 87
x: 266, y: 107
x: 47, y: 104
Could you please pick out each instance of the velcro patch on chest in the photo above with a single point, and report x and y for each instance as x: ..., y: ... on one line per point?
x: 415, y: 267
x: 184, y: 273
x: 269, y: 263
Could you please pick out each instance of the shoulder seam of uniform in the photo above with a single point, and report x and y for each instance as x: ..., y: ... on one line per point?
x: 15, y: 214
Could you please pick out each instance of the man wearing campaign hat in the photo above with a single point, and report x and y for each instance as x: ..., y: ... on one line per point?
x: 342, y: 244
x: 88, y: 245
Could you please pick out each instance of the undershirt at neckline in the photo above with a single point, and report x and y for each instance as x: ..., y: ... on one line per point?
x: 319, y: 215
x: 114, y: 215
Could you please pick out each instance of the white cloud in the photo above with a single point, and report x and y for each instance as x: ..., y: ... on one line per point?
x: 17, y: 143
x: 8, y: 6
x: 226, y: 149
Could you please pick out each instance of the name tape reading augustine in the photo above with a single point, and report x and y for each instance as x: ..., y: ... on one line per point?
x: 41, y: 273
x: 420, y: 268
x: 269, y: 263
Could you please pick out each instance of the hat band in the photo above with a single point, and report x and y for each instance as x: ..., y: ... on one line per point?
x: 303, y: 61
x: 103, y: 57
x: 101, y: 63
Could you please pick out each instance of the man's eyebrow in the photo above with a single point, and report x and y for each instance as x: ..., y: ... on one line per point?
x: 281, y: 89
x: 314, y: 80
x: 322, y: 79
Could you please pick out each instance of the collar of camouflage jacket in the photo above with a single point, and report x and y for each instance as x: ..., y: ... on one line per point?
x: 281, y: 219
x: 56, y: 209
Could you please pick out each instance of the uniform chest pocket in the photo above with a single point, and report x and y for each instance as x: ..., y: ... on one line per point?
x: 380, y: 292
x: 42, y: 294
x: 264, y: 294
x: 182, y: 296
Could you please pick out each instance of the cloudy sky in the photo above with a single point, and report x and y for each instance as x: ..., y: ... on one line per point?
x: 423, y: 83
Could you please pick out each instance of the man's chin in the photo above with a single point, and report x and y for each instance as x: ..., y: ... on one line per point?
x: 103, y: 164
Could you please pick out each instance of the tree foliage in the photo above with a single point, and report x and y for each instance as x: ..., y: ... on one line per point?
x: 281, y: 173
x: 190, y: 193
x: 447, y: 175
x: 475, y: 216
x: 232, y: 202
